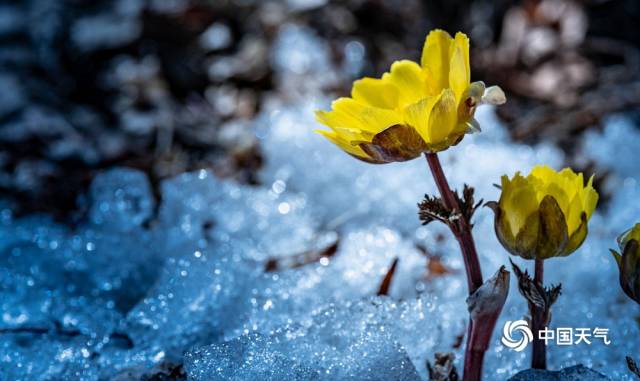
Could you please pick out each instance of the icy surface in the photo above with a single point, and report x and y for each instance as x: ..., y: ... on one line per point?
x: 195, y: 280
x: 135, y: 287
x: 138, y: 285
x: 574, y: 373
x: 350, y: 341
x: 64, y: 292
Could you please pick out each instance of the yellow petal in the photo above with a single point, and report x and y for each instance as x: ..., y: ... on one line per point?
x: 572, y: 180
x: 462, y: 41
x: 573, y: 214
x: 345, y: 145
x: 505, y: 182
x: 559, y: 193
x: 408, y: 79
x: 546, y: 181
x: 346, y: 113
x: 417, y: 115
x: 543, y: 172
x: 577, y: 237
x: 443, y: 118
x: 633, y: 233
x: 519, y: 204
x: 375, y: 92
x: 590, y: 200
x: 459, y: 71
x: 352, y: 134
x: 436, y: 58
x: 340, y: 116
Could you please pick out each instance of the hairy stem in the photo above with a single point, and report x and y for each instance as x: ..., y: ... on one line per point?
x: 538, y: 321
x: 474, y: 353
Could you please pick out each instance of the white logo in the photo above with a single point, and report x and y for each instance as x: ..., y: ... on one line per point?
x: 510, y: 328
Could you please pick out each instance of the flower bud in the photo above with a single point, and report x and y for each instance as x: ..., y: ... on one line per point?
x: 629, y: 262
x: 489, y: 299
x: 545, y: 214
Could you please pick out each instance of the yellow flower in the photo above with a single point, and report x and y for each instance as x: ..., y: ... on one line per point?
x: 629, y: 262
x: 413, y: 108
x: 544, y: 214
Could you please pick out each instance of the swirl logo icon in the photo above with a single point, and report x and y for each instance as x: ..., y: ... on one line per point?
x: 511, y: 328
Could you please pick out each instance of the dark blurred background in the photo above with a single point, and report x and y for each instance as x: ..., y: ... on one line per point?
x: 168, y: 86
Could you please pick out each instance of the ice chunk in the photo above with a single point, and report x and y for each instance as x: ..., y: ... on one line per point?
x: 56, y: 310
x: 41, y: 357
x: 356, y: 269
x: 198, y: 296
x: 350, y: 341
x: 64, y: 291
x: 215, y: 237
x: 247, y: 358
x: 47, y: 276
x: 256, y: 223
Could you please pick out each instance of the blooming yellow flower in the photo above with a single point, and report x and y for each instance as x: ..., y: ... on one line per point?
x: 413, y: 108
x: 544, y: 214
x: 629, y: 262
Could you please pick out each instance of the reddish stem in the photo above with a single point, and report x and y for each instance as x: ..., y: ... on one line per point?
x: 478, y: 333
x: 463, y: 230
x: 473, y: 365
x: 538, y: 320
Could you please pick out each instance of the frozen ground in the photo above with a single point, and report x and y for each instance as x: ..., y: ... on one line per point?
x: 184, y: 281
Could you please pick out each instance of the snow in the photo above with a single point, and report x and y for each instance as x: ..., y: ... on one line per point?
x: 347, y: 341
x: 182, y: 278
x: 574, y: 373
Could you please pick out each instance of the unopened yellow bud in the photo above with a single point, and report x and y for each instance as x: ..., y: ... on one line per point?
x: 545, y: 214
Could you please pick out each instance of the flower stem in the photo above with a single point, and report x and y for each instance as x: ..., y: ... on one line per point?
x: 538, y: 320
x: 477, y: 336
x: 463, y: 231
